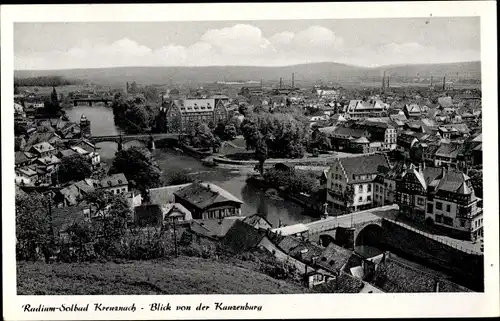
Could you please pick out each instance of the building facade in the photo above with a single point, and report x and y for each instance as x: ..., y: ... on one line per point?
x: 441, y: 197
x: 181, y: 116
x: 357, y: 174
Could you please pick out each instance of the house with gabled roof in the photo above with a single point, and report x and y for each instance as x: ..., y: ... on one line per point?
x: 441, y: 197
x: 115, y: 183
x: 358, y: 174
x: 208, y: 201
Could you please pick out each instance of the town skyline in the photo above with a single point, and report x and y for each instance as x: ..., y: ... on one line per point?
x: 377, y: 42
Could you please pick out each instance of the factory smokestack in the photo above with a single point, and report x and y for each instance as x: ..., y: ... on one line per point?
x: 293, y: 80
x: 281, y: 82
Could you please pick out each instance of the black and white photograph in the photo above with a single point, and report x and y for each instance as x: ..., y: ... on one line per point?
x: 247, y: 156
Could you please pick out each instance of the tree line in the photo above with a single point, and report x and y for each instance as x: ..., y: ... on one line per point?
x: 45, y: 81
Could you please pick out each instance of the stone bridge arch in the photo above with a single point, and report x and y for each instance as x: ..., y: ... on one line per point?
x: 370, y: 233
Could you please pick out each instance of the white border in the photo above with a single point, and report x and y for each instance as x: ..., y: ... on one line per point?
x: 274, y: 306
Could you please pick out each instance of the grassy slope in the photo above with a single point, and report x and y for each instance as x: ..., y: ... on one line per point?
x: 184, y: 275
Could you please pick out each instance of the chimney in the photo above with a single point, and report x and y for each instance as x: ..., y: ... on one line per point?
x: 443, y: 171
x: 444, y: 83
x: 431, y: 80
x: 281, y: 82
x: 383, y: 81
x: 293, y: 80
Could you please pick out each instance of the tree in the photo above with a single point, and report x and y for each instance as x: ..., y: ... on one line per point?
x: 285, y: 134
x: 321, y: 141
x: 81, y: 234
x: 74, y: 168
x: 261, y: 154
x: 202, y: 137
x: 138, y: 115
x: 133, y: 89
x: 180, y: 177
x: 348, y: 197
x: 230, y: 131
x: 138, y: 166
x: 54, y: 99
x: 225, y: 131
x: 33, y: 226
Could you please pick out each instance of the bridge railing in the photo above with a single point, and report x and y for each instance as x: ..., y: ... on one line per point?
x: 436, y: 238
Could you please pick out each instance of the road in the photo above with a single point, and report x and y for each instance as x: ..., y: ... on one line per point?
x: 373, y: 214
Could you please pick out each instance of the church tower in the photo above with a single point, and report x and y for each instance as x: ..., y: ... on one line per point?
x: 85, y: 127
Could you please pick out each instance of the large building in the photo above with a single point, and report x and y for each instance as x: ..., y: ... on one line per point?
x: 183, y: 114
x: 362, y: 109
x: 358, y: 174
x: 442, y: 197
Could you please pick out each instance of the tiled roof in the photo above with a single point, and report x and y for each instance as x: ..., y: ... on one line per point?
x: 361, y: 140
x: 241, y: 237
x: 405, y: 279
x: 67, y: 152
x: 453, y: 182
x: 365, y: 164
x: 448, y: 150
x: 212, y: 228
x: 20, y: 158
x: 445, y: 101
x: 203, y: 195
x: 113, y: 180
x: 257, y: 221
x: 333, y: 257
x: 349, y: 132
x: 43, y: 147
x: 171, y: 208
x: 165, y: 194
x: 288, y: 243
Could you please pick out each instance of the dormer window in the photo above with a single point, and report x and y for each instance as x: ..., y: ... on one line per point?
x: 109, y: 183
x: 120, y: 181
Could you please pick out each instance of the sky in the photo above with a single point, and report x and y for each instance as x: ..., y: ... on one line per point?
x: 363, y: 42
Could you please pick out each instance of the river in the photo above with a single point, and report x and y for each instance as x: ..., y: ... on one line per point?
x: 170, y: 160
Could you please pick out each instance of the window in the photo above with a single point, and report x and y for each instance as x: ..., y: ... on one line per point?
x: 369, y: 187
x: 439, y: 205
x: 369, y: 198
x: 439, y: 218
x: 420, y: 201
x: 462, y: 223
x: 360, y: 199
x: 447, y: 220
x: 448, y: 208
x: 430, y: 208
x: 376, y: 188
x: 360, y: 188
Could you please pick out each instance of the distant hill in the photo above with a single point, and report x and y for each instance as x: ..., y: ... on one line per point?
x: 304, y: 73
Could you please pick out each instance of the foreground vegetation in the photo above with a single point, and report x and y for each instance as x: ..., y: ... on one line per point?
x: 182, y: 275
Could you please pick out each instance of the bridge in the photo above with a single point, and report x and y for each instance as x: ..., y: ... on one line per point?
x: 90, y: 101
x: 352, y: 229
x: 122, y: 139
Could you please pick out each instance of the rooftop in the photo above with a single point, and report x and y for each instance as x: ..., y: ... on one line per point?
x: 203, y: 195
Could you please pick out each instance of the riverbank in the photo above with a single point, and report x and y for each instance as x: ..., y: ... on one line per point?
x: 312, y: 207
x: 319, y: 162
